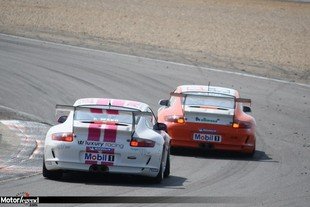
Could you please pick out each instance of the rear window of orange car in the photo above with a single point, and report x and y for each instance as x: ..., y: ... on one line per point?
x: 216, y: 101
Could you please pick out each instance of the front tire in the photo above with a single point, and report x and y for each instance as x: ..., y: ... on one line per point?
x: 50, y: 174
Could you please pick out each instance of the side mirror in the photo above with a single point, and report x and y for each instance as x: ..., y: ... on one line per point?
x: 163, y: 102
x: 247, y: 109
x: 160, y: 126
x: 62, y: 119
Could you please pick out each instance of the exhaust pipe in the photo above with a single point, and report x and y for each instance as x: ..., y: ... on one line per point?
x: 99, y: 168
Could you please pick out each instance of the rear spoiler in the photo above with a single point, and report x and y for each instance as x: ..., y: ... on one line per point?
x: 244, y: 100
x: 104, y: 107
x: 202, y: 94
x: 134, y: 112
x: 240, y: 100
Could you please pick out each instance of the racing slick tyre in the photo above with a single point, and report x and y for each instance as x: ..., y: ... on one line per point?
x: 173, y: 150
x: 50, y: 174
x: 160, y: 176
x: 250, y: 154
x: 167, y: 169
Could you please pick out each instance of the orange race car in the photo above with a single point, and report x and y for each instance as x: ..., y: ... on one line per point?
x: 209, y: 117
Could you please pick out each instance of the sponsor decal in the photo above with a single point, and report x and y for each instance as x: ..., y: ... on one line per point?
x: 100, y: 149
x: 99, y: 157
x: 207, y: 130
x: 106, y: 119
x: 114, y: 145
x: 103, y: 144
x: 204, y: 119
x: 220, y: 90
x: 141, y: 151
x: 195, y: 88
x: 207, y: 137
x: 80, y: 142
x: 62, y: 147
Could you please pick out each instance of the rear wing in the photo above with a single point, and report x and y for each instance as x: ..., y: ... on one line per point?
x: 220, y: 95
x: 244, y: 100
x: 103, y: 107
x: 88, y: 108
x: 224, y: 95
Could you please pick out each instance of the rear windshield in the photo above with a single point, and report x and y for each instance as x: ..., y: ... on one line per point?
x: 103, y: 115
x: 216, y: 101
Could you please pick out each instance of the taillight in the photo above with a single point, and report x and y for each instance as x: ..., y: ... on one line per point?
x: 241, y: 125
x: 63, y: 136
x: 175, y: 119
x: 138, y: 142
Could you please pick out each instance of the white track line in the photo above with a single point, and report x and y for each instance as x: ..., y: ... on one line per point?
x: 161, y: 61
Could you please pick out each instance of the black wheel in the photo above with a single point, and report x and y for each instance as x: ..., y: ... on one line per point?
x: 173, y: 150
x: 160, y: 176
x: 250, y: 154
x: 167, y: 169
x: 50, y: 174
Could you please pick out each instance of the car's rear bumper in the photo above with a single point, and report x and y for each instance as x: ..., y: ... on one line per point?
x: 245, y: 148
x: 70, y: 166
x: 71, y: 157
x: 240, y: 140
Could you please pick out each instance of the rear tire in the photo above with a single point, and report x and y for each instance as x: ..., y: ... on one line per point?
x: 167, y: 169
x: 51, y: 174
x: 159, y: 177
x: 251, y: 154
x: 173, y: 150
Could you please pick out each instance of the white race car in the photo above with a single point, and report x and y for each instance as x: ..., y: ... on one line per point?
x: 107, y: 135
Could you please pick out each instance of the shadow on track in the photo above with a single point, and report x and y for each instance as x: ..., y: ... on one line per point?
x: 259, y: 156
x: 120, y: 180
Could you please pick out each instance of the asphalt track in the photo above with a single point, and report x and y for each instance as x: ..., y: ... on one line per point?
x: 35, y: 75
